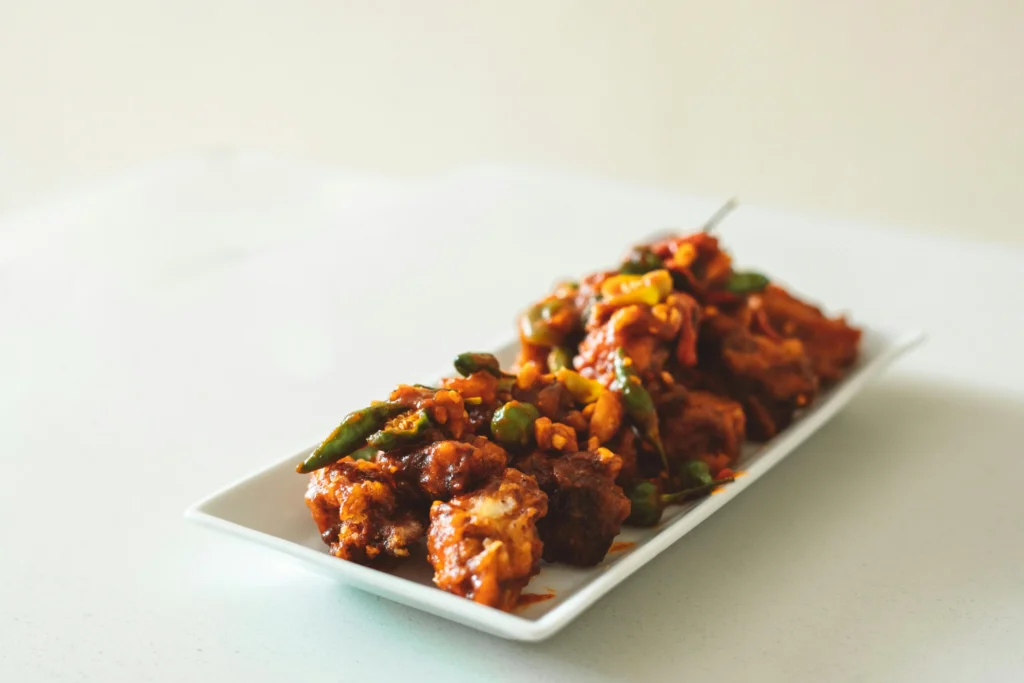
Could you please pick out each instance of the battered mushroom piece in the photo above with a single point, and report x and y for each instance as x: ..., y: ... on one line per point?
x: 650, y: 335
x: 705, y: 427
x: 585, y: 506
x: 484, y: 545
x: 626, y: 445
x: 538, y: 465
x: 553, y: 400
x: 355, y: 507
x: 482, y: 385
x: 442, y: 469
x: 549, y: 396
x: 479, y: 418
x: 698, y: 264
x: 831, y: 343
x: 771, y: 377
x: 554, y: 436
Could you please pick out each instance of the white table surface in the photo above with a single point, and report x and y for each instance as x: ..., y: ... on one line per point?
x: 167, y: 333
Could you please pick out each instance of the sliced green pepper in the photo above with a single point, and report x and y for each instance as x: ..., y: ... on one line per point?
x: 694, y: 492
x: 406, y: 430
x: 746, y: 282
x: 583, y: 390
x: 468, y: 363
x: 559, y: 358
x: 364, y: 453
x: 638, y: 403
x: 350, y: 435
x: 647, y: 503
x: 536, y: 324
x: 640, y: 260
x: 512, y: 423
x: 697, y: 472
x: 645, y: 506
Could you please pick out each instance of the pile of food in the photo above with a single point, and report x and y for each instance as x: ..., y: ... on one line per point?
x: 634, y: 389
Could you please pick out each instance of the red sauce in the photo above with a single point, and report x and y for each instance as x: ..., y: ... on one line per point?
x: 619, y: 546
x: 527, y: 599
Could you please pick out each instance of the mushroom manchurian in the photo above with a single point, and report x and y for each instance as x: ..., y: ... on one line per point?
x: 484, y: 545
x: 634, y: 389
x: 356, y: 507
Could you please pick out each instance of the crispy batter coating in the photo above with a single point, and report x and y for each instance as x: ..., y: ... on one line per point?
x: 626, y: 445
x: 442, y: 469
x: 554, y: 436
x: 698, y: 264
x: 550, y: 397
x: 771, y: 377
x: 831, y: 343
x: 355, y: 507
x: 586, y: 508
x: 482, y: 385
x: 484, y: 545
x: 537, y: 464
x: 565, y: 423
x: 650, y: 335
x: 445, y: 407
x: 479, y: 418
x: 705, y: 427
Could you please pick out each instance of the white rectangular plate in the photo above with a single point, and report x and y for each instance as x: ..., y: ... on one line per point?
x: 268, y: 508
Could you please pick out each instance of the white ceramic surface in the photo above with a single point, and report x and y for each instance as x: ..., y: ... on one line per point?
x: 268, y: 508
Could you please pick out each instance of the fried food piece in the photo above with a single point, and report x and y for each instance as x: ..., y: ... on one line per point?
x: 482, y: 385
x: 698, y: 264
x: 626, y: 445
x: 479, y: 418
x: 554, y: 436
x: 586, y: 508
x: 537, y: 464
x: 484, y: 545
x: 551, y: 397
x: 831, y: 343
x: 442, y: 469
x: 650, y: 336
x: 705, y: 427
x: 355, y: 507
x: 771, y: 377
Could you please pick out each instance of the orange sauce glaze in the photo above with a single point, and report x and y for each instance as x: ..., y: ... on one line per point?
x: 619, y: 546
x: 527, y: 599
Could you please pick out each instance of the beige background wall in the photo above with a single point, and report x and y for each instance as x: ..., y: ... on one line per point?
x: 910, y: 112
